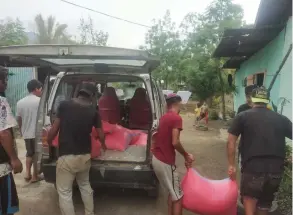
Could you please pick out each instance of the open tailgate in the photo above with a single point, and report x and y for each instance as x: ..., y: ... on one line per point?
x: 63, y: 57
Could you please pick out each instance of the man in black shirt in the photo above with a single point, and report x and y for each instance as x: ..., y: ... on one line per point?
x: 263, y: 134
x: 75, y: 119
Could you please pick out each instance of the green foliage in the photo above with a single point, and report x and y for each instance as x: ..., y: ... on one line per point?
x: 284, y: 195
x: 185, y: 53
x: 12, y: 33
x: 91, y: 36
x: 50, y: 32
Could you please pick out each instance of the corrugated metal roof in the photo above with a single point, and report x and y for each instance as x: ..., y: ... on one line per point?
x: 244, y: 42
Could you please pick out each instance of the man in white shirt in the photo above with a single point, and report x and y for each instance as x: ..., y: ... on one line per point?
x: 8, y: 154
x: 26, y: 112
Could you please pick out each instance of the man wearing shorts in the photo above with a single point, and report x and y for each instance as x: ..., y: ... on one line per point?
x: 163, y: 162
x: 26, y: 112
x: 8, y: 153
x: 263, y: 134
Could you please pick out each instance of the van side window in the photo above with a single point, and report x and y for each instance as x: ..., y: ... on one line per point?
x: 64, y: 92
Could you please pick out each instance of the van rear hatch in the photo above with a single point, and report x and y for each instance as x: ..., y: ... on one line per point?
x: 70, y: 59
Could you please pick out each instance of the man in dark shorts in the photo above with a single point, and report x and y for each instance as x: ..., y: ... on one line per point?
x: 9, y: 160
x: 75, y: 119
x: 263, y: 133
x: 26, y: 113
x: 167, y: 141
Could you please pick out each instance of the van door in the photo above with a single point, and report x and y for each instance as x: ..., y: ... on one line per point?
x: 40, y: 123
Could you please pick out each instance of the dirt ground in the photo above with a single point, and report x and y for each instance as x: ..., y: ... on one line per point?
x: 208, y: 148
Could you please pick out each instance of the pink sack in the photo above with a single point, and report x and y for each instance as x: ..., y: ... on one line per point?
x: 135, y: 135
x: 209, y: 197
x: 119, y: 139
x: 107, y: 127
x: 140, y: 140
x: 96, y: 145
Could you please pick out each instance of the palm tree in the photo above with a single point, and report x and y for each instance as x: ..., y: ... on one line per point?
x: 50, y: 32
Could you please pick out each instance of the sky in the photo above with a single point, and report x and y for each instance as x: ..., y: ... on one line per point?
x: 121, y: 34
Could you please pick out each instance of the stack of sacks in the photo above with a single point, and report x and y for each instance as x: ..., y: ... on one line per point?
x: 119, y: 139
x: 96, y: 145
x: 209, y: 197
x: 139, y: 138
x: 116, y: 138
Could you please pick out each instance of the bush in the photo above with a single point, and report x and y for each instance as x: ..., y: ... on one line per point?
x: 284, y: 195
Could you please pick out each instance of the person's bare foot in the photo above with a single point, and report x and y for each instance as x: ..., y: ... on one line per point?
x: 36, y: 179
x: 27, y: 178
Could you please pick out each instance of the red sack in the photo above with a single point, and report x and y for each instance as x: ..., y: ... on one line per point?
x: 96, y: 145
x: 55, y: 142
x: 119, y: 139
x: 135, y: 134
x: 140, y: 140
x: 107, y: 127
x: 209, y: 197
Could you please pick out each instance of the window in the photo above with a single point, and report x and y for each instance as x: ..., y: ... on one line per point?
x: 64, y: 92
x: 125, y: 90
x: 257, y: 79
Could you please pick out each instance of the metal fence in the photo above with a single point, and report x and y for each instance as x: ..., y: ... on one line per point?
x: 17, y: 81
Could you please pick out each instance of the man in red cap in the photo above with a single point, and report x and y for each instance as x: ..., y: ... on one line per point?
x: 167, y: 141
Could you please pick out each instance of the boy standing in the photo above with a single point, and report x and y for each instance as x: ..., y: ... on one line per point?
x: 26, y: 112
x: 167, y: 141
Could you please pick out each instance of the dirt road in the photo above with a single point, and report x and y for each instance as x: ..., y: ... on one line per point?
x: 207, y: 147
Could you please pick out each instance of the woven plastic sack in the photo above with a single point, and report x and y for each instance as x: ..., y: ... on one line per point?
x: 95, y: 147
x: 119, y: 139
x: 209, y: 197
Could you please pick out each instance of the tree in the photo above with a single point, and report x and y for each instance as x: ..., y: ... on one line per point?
x: 207, y: 29
x: 89, y: 35
x: 50, y: 32
x: 12, y: 33
x: 163, y: 40
x: 188, y: 50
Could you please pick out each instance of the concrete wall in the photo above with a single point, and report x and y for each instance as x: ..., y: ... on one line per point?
x: 269, y: 59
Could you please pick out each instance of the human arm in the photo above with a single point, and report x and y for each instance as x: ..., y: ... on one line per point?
x: 99, y: 129
x: 56, y: 125
x: 176, y: 128
x: 18, y: 116
x: 6, y: 138
x: 234, y: 131
x: 7, y: 142
x: 53, y: 131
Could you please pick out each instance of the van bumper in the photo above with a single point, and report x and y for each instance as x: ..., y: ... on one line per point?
x: 122, y: 176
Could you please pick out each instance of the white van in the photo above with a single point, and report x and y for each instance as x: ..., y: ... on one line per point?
x: 124, y: 69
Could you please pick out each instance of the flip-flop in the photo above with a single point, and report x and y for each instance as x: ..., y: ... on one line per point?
x: 35, y: 181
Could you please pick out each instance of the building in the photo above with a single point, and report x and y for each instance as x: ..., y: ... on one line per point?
x: 257, y: 54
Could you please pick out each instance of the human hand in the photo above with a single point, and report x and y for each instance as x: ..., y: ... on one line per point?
x: 188, y: 160
x: 16, y: 166
x: 232, y: 172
